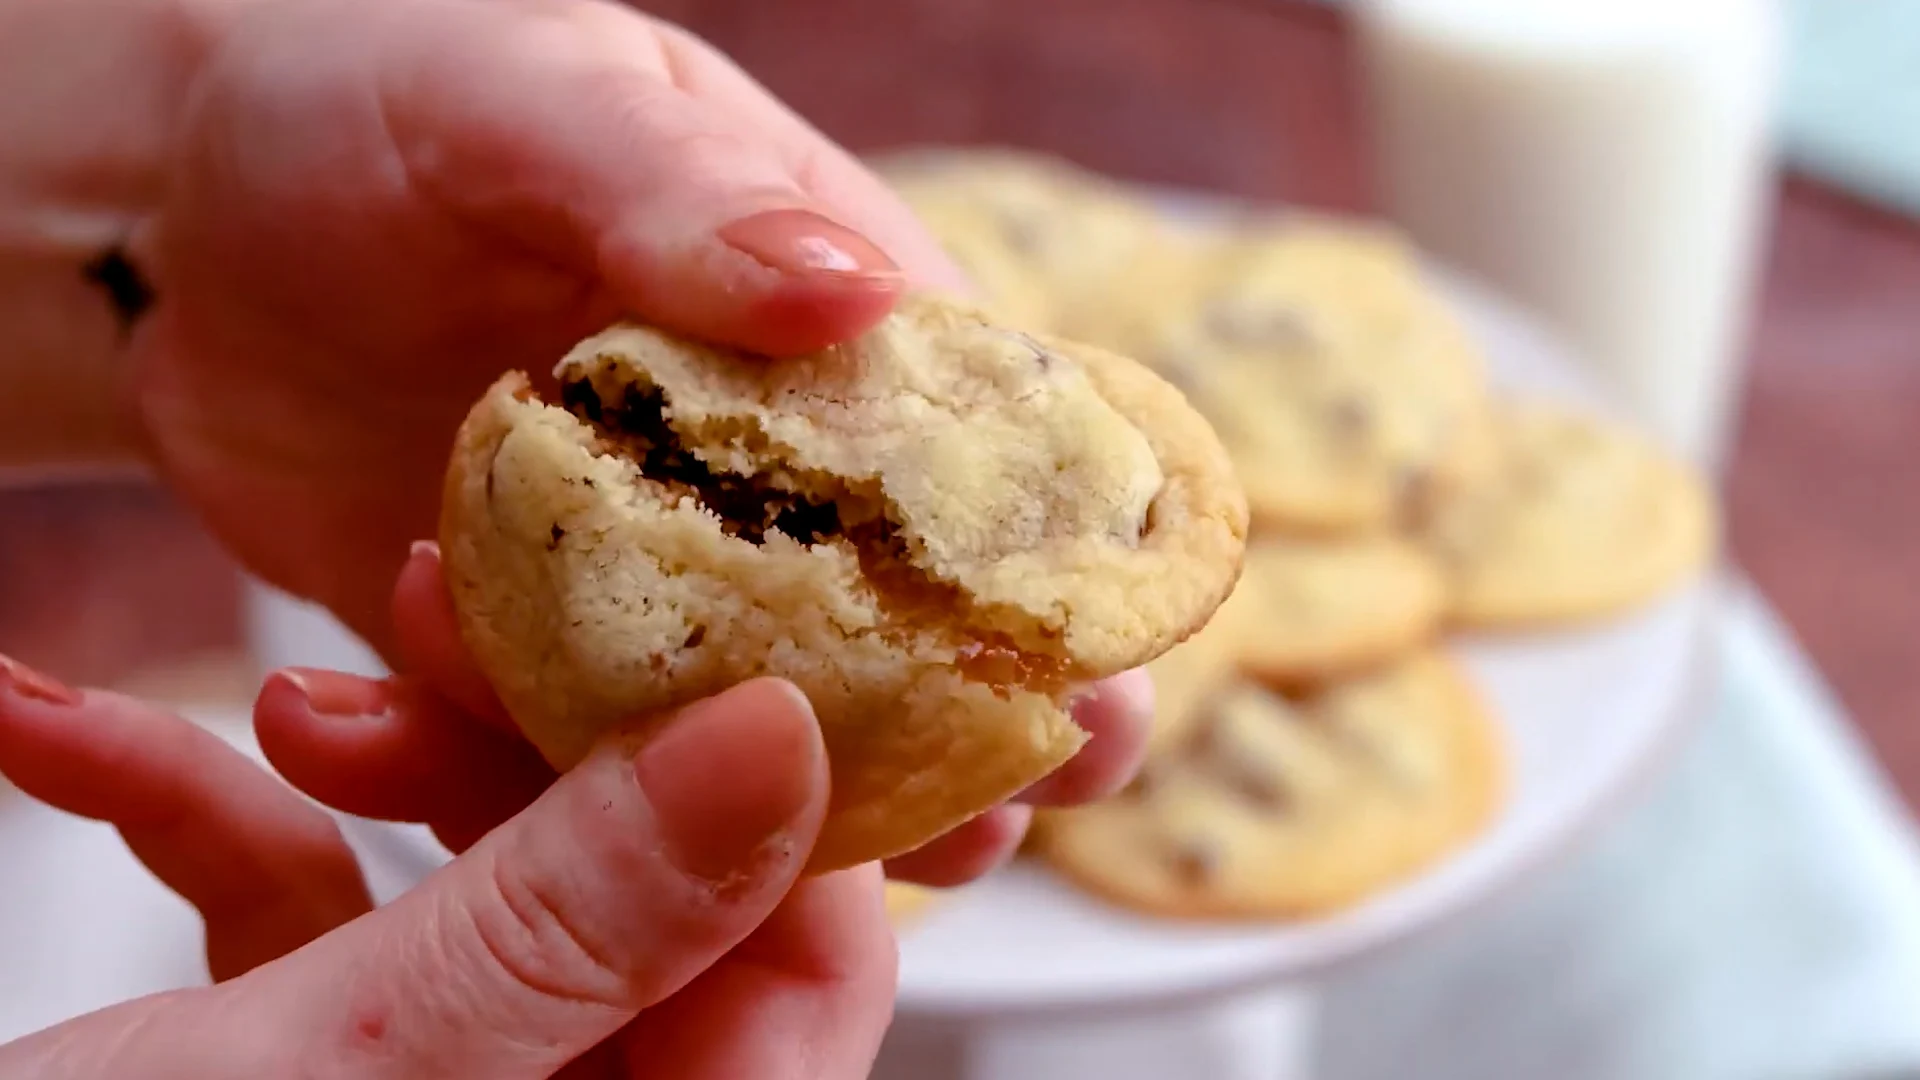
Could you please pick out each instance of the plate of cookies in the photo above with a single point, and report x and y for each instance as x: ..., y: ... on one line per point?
x: 1471, y: 613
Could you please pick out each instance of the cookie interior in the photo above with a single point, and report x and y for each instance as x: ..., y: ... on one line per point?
x: 807, y: 507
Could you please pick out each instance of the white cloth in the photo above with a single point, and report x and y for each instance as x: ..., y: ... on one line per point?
x: 1755, y: 916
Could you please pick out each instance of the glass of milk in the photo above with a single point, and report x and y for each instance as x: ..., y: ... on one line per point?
x: 1606, y: 162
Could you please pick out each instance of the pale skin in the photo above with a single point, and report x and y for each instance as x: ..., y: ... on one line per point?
x: 331, y: 223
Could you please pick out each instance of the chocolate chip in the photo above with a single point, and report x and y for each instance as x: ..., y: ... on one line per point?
x: 555, y: 536
x: 581, y: 399
x: 1350, y: 417
x: 1144, y: 783
x: 1195, y: 862
x: 695, y: 636
x: 1262, y: 327
x: 747, y: 506
x: 126, y: 287
x: 1415, y: 496
x: 1263, y: 790
x: 1203, y: 737
x: 1022, y: 234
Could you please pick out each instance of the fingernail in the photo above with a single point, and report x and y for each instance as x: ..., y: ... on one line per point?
x: 20, y: 680
x: 334, y: 693
x: 731, y: 778
x: 423, y: 549
x: 803, y: 243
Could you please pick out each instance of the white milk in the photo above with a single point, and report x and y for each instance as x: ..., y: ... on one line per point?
x: 1607, y: 162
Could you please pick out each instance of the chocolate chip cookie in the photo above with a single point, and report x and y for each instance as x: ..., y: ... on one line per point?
x: 1273, y: 807
x: 1346, y: 393
x: 1041, y: 238
x: 1580, y: 519
x: 1334, y: 607
x: 938, y: 531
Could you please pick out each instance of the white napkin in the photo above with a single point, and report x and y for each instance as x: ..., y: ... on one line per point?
x: 1755, y: 917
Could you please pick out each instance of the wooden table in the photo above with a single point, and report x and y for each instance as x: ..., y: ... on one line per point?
x: 1253, y: 97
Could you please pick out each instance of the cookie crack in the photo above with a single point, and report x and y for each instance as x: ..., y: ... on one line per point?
x: 809, y: 507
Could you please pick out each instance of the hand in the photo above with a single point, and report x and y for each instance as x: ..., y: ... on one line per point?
x: 639, y: 919
x: 375, y: 207
x: 434, y: 745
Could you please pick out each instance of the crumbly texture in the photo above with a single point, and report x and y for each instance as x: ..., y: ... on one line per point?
x: 1042, y: 239
x: 1275, y: 808
x: 1334, y: 607
x: 936, y: 531
x: 906, y: 902
x: 1345, y: 391
x: 1579, y: 520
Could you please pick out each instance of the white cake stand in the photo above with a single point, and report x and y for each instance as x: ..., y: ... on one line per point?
x: 1023, y: 977
x: 1020, y: 976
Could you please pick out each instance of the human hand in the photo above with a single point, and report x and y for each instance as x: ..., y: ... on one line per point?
x: 640, y: 918
x: 372, y: 209
x: 434, y: 746
x: 375, y: 208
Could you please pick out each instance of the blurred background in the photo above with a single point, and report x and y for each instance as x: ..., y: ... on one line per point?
x: 1282, y: 101
x: 1264, y: 99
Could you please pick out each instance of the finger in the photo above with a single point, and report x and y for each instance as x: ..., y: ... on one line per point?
x: 622, y: 883
x: 1118, y: 715
x: 808, y: 995
x: 971, y: 851
x: 391, y: 750
x: 577, y: 139
x: 266, y: 870
x: 844, y: 185
x: 427, y: 634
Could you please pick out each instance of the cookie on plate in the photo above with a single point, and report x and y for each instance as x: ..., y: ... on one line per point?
x: 937, y: 531
x: 1305, y: 611
x: 1327, y: 608
x: 1275, y: 807
x: 1345, y: 391
x: 1042, y: 238
x: 1580, y: 519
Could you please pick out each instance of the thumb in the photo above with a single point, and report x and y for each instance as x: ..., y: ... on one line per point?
x: 632, y: 875
x: 641, y: 155
x: 628, y: 878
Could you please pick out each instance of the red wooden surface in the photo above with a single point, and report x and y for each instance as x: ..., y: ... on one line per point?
x: 1246, y: 96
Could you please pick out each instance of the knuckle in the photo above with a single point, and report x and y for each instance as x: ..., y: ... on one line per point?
x: 528, y: 933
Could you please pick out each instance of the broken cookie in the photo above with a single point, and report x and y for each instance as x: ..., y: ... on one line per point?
x: 937, y: 531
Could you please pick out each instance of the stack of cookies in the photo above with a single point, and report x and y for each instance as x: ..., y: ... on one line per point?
x: 1315, y: 742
